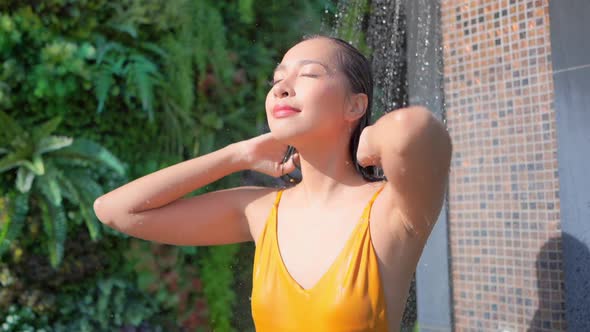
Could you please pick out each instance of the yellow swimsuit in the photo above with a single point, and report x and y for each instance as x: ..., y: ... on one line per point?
x: 349, y: 296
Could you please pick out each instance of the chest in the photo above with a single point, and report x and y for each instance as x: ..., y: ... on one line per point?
x: 311, y: 242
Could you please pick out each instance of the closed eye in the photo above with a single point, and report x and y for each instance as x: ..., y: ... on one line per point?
x: 273, y: 82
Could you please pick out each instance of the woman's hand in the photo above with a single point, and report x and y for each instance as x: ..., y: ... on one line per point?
x: 367, y: 154
x: 265, y: 154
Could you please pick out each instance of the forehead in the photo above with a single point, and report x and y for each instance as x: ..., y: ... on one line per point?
x: 318, y: 49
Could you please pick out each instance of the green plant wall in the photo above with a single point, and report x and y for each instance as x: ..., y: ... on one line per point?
x: 153, y: 82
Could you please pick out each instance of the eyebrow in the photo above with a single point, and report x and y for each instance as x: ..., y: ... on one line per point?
x: 305, y: 62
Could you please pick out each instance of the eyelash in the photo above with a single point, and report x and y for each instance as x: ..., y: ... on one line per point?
x: 273, y: 82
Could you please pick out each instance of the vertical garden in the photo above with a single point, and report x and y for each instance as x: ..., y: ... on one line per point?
x: 94, y: 93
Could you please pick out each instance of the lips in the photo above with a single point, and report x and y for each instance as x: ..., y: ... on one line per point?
x: 282, y: 111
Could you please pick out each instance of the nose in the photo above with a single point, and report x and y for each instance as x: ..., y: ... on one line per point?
x: 283, y: 90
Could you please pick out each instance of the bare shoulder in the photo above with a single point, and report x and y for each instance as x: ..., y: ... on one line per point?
x: 257, y: 204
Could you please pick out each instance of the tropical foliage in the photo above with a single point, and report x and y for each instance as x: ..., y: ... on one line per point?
x: 48, y: 170
x: 151, y: 82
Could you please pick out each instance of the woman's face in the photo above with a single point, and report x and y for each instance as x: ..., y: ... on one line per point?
x: 308, y: 98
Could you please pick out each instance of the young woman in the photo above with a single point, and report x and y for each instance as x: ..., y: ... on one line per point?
x: 336, y: 251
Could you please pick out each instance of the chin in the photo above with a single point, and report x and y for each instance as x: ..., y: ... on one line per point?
x: 287, y: 134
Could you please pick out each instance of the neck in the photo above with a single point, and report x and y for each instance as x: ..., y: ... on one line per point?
x: 327, y: 169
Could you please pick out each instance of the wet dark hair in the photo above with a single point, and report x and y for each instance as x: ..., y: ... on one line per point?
x: 357, y: 69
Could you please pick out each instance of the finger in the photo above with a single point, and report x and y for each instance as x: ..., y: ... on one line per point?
x: 297, y: 159
x: 288, y: 166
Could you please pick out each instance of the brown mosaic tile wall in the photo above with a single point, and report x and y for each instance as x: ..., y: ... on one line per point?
x: 504, y: 218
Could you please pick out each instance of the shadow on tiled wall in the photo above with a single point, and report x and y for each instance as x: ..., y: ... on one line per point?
x: 548, y: 286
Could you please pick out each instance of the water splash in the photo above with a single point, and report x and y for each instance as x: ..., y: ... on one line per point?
x: 386, y: 35
x: 403, y: 37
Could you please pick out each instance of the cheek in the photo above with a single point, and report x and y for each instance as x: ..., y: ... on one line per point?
x: 267, y: 102
x: 327, y: 98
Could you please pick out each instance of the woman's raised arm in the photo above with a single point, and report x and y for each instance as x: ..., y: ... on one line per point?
x: 414, y: 149
x: 152, y: 207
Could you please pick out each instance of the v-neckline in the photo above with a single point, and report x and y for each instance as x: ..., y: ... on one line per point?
x: 363, y: 220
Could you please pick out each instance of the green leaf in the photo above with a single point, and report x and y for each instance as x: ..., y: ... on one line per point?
x: 55, y: 226
x: 12, y: 160
x: 45, y: 129
x: 104, y: 81
x: 126, y: 27
x: 143, y: 74
x: 87, y: 150
x: 92, y: 223
x: 49, y: 186
x: 69, y: 191
x: 88, y: 191
x: 105, y: 48
x: 17, y: 208
x: 24, y: 179
x: 36, y: 165
x: 52, y: 143
x: 155, y: 48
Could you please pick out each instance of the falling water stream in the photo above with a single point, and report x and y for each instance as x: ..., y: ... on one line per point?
x: 404, y: 42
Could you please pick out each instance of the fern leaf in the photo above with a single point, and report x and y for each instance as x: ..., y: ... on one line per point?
x: 12, y: 222
x: 24, y: 179
x: 104, y: 81
x: 126, y: 27
x: 55, y: 226
x: 144, y: 75
x: 87, y: 150
x: 156, y: 49
x: 52, y: 143
x: 69, y: 191
x: 104, y: 47
x: 88, y: 190
x: 49, y: 186
x: 92, y: 223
